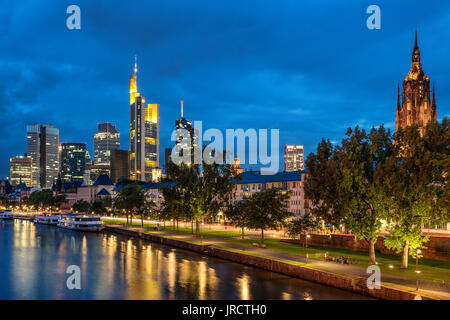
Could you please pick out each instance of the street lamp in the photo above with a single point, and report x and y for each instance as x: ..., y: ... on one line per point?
x: 306, y: 246
x: 417, y: 270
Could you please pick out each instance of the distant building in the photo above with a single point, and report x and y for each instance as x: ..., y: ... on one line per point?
x: 97, y: 169
x: 294, y: 158
x: 20, y: 169
x: 106, y: 138
x: 73, y: 161
x: 43, y: 148
x: 101, y: 188
x: 415, y: 105
x: 237, y: 166
x: 167, y: 155
x: 120, y: 165
x: 144, y: 134
x: 189, y: 142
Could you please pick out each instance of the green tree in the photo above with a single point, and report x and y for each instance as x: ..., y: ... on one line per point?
x: 205, y: 189
x: 267, y: 209
x: 347, y: 184
x: 302, y: 225
x: 237, y: 215
x: 322, y: 185
x: 417, y: 183
x: 81, y: 206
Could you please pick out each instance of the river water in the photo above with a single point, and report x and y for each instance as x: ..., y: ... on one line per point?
x: 34, y: 260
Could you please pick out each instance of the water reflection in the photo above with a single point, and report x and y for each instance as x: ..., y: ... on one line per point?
x: 34, y: 259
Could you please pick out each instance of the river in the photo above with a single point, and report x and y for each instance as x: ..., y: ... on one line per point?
x: 34, y: 260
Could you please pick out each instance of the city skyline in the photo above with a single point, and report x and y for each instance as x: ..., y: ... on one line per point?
x: 309, y: 102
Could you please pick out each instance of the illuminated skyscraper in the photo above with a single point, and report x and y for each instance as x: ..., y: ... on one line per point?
x: 106, y: 138
x: 43, y: 149
x: 294, y: 158
x: 73, y: 161
x: 182, y: 124
x: 21, y: 171
x: 144, y: 134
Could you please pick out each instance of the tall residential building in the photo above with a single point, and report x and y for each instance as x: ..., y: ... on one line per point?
x: 120, y: 165
x: 144, y: 134
x: 294, y: 158
x: 106, y: 138
x: 415, y: 106
x: 43, y: 148
x: 73, y: 162
x: 182, y: 124
x: 20, y: 169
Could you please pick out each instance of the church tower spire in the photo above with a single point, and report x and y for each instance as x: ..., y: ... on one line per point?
x: 416, y: 55
x: 415, y: 107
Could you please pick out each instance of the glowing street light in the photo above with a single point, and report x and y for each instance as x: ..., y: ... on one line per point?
x: 417, y: 270
x: 306, y: 246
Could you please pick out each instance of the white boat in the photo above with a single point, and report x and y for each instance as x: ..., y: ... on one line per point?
x: 47, y: 218
x: 81, y: 222
x: 6, y: 215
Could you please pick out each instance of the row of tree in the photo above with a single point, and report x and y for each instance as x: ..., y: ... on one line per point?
x: 44, y: 199
x: 375, y: 177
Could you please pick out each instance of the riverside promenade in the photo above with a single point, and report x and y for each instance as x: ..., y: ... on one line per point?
x: 427, y: 289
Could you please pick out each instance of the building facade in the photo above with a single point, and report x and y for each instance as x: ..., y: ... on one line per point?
x: 106, y: 138
x: 73, y: 162
x: 120, y: 165
x: 20, y: 171
x: 144, y: 134
x: 414, y: 104
x: 43, y: 149
x: 294, y: 158
x: 186, y: 138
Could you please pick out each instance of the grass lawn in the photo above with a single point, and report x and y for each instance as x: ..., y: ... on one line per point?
x: 205, y: 233
x: 430, y: 269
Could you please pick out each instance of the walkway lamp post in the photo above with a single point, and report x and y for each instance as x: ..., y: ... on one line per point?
x: 417, y: 270
x: 306, y: 246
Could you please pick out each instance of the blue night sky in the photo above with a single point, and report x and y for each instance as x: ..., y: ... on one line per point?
x: 309, y: 68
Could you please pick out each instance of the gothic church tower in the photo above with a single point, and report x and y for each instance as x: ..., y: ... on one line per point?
x: 415, y: 106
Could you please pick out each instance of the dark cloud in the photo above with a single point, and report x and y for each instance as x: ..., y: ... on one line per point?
x: 309, y: 68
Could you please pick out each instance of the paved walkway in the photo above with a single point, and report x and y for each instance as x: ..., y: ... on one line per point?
x: 427, y: 288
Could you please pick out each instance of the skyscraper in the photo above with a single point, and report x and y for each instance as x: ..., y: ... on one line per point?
x: 43, y: 148
x: 73, y: 161
x: 415, y: 106
x: 293, y: 158
x: 20, y: 169
x: 106, y: 138
x: 120, y: 165
x: 182, y: 124
x: 144, y: 134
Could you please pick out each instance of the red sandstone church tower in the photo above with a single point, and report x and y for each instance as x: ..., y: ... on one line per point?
x: 416, y: 107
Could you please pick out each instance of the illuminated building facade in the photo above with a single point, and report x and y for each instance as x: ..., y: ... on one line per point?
x: 182, y: 124
x: 43, y: 149
x: 144, y: 134
x: 73, y: 162
x: 294, y: 158
x: 20, y: 171
x: 414, y: 104
x: 106, y: 138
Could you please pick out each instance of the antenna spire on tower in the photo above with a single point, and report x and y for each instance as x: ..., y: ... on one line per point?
x: 135, y: 64
x: 182, y: 108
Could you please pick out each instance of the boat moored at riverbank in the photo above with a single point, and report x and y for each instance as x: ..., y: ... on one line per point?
x: 6, y: 215
x: 81, y: 222
x: 47, y: 218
